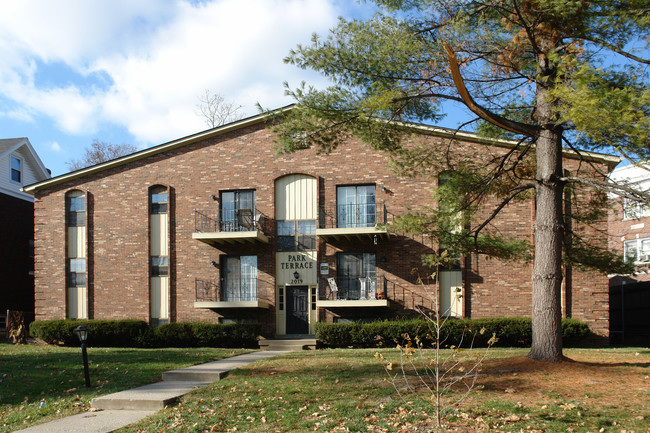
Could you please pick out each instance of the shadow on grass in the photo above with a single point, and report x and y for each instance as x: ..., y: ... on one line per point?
x: 30, y: 374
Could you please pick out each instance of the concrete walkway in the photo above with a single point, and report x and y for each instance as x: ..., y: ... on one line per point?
x: 114, y: 411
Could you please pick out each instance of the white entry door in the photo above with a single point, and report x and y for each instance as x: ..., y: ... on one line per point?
x: 451, y: 293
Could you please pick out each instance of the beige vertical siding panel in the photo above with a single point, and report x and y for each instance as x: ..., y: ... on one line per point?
x: 159, y: 297
x: 76, y: 242
x: 159, y: 235
x: 77, y: 303
x: 296, y: 197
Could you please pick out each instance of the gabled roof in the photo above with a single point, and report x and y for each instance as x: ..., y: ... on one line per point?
x: 22, y: 145
x: 611, y: 161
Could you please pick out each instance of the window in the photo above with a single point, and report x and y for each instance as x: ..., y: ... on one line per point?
x: 159, y: 266
x: 357, y: 276
x: 16, y: 169
x: 158, y: 199
x: 296, y: 235
x: 355, y: 206
x: 239, y: 278
x: 76, y: 272
x: 637, y: 250
x: 237, y: 211
x: 76, y: 209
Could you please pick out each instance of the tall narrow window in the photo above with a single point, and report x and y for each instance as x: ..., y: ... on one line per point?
x: 239, y: 278
x: 16, y: 169
x: 159, y: 252
x: 357, y: 276
x: 355, y: 206
x: 237, y: 211
x: 76, y: 275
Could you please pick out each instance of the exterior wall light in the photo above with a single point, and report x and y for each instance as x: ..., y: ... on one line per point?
x: 82, y: 334
x: 296, y: 275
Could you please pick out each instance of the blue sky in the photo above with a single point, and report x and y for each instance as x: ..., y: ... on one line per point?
x: 126, y: 71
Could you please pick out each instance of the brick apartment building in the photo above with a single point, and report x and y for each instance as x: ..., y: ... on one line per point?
x: 629, y: 224
x: 217, y: 227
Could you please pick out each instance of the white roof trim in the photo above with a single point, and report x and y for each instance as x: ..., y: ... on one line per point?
x: 608, y: 159
x: 25, y: 142
x: 17, y: 194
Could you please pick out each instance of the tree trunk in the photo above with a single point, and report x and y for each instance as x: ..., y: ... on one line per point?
x: 547, y: 267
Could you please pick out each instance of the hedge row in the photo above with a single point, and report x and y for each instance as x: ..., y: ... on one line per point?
x: 137, y: 333
x: 511, y: 332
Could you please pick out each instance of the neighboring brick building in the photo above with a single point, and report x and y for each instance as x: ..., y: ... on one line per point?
x: 19, y: 165
x: 217, y: 226
x: 629, y: 223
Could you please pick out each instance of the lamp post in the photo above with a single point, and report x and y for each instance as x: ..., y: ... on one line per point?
x: 82, y: 333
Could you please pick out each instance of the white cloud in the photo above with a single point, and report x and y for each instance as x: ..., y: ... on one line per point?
x: 160, y: 56
x: 55, y: 146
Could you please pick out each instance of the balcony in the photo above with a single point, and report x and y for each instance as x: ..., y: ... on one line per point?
x: 234, y: 293
x: 241, y: 226
x: 353, y: 222
x: 351, y: 292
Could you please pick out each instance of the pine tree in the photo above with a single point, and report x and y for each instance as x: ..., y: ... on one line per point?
x: 549, y: 73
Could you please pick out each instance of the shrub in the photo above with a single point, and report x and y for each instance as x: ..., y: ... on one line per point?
x: 199, y: 334
x: 101, y: 333
x: 511, y: 332
x: 136, y: 333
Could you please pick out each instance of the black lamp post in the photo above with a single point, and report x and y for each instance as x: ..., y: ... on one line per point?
x: 82, y: 333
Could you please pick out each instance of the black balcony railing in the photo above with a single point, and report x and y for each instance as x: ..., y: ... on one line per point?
x: 235, y: 220
x: 230, y: 290
x: 353, y: 215
x: 353, y: 288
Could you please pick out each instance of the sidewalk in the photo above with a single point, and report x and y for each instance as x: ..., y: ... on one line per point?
x: 117, y: 410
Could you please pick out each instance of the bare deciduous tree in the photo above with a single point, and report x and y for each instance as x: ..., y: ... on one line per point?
x: 100, y: 151
x: 216, y: 110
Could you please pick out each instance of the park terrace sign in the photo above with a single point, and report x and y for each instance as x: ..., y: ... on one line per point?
x: 288, y: 263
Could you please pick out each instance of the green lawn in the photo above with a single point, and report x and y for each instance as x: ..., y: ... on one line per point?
x: 40, y: 383
x: 346, y: 390
x: 600, y: 390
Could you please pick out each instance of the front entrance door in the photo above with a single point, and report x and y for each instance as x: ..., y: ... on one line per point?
x: 451, y: 293
x: 297, y: 310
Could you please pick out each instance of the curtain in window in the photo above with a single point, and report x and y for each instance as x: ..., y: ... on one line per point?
x: 356, y: 206
x: 240, y: 279
x: 249, y: 278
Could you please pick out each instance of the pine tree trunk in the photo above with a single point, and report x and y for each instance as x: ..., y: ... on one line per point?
x: 547, y: 268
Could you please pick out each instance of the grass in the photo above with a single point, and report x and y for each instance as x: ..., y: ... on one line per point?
x: 346, y: 390
x: 41, y: 383
x: 602, y: 390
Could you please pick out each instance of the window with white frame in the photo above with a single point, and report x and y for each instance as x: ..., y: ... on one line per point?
x: 16, y: 169
x: 637, y: 250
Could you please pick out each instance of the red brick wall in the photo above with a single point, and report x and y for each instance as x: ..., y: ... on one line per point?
x: 245, y: 159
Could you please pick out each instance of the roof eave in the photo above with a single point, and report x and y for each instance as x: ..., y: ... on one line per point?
x: 31, y: 189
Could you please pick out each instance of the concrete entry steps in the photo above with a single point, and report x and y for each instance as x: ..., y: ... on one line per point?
x: 176, y: 383
x: 117, y: 410
x: 292, y: 344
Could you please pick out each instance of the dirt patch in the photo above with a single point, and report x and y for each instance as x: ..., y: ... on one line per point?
x: 603, y: 379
